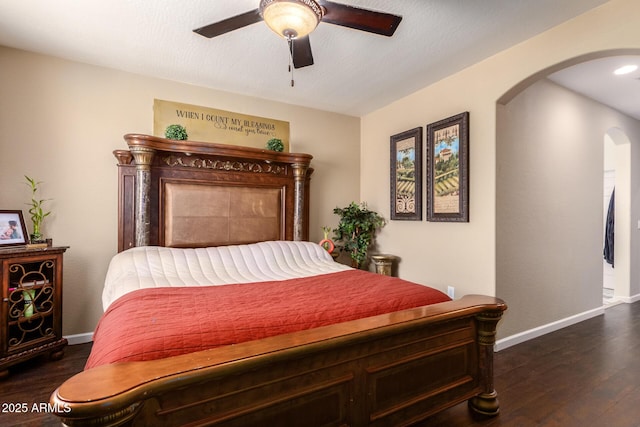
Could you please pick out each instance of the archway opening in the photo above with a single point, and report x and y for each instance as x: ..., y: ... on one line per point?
x: 549, y: 208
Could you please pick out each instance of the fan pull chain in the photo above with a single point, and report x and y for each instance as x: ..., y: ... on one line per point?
x: 290, y: 42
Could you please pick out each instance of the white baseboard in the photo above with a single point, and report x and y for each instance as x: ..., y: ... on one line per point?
x: 79, y: 338
x: 629, y: 300
x: 521, y: 337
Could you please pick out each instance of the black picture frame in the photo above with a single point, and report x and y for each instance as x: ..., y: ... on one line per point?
x: 13, y: 231
x: 406, y: 175
x: 448, y: 169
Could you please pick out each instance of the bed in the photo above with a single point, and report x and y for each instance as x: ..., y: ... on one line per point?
x: 197, y: 223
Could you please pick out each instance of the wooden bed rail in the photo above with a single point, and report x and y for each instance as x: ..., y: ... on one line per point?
x: 391, y: 369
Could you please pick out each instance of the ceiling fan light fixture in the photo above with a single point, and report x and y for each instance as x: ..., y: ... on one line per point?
x: 291, y: 18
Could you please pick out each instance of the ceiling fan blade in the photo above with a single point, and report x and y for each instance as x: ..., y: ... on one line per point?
x: 301, y: 52
x: 229, y: 24
x: 371, y: 21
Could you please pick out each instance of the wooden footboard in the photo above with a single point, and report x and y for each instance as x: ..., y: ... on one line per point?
x: 392, y: 369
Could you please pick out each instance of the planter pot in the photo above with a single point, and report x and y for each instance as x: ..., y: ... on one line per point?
x: 36, y: 238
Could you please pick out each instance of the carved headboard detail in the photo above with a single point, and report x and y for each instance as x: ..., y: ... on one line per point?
x: 195, y: 194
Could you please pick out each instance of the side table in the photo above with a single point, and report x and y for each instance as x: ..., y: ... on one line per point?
x: 384, y: 263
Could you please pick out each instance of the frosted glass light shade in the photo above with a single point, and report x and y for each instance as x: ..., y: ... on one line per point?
x: 625, y: 70
x: 291, y: 18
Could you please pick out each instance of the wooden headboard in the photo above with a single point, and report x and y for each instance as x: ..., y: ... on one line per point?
x: 197, y: 194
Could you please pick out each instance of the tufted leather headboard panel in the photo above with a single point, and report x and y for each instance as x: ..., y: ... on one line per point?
x: 199, y: 215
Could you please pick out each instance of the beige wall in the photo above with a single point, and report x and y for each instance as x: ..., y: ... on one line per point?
x: 464, y: 255
x: 60, y: 121
x: 550, y: 152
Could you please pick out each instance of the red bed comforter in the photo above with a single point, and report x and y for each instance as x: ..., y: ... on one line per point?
x: 155, y: 323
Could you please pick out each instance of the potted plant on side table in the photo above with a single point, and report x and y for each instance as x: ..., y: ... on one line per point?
x: 356, y: 231
x: 36, y: 211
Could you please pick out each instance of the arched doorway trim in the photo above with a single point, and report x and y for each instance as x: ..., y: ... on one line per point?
x: 519, y: 87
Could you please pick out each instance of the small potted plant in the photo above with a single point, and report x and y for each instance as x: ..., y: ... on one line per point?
x: 36, y: 210
x: 356, y: 231
x: 176, y: 132
x: 275, y: 144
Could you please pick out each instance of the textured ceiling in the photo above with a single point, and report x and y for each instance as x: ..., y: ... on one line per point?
x: 354, y: 72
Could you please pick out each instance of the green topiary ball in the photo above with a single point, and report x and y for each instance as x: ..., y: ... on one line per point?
x: 275, y: 144
x: 177, y: 132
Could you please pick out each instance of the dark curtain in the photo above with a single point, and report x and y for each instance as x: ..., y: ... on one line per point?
x: 608, y: 232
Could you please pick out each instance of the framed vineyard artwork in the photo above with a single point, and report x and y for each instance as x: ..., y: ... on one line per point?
x: 448, y: 169
x: 406, y: 175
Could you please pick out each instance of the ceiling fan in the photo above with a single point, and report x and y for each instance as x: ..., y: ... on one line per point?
x: 295, y: 19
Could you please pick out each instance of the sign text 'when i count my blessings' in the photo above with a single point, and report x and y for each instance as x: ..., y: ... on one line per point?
x: 219, y: 126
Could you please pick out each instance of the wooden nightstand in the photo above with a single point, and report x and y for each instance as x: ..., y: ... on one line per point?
x: 31, y: 311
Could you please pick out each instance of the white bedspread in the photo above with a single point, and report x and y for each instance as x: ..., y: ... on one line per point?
x: 153, y: 266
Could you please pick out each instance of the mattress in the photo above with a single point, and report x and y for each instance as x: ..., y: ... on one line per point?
x: 158, y: 267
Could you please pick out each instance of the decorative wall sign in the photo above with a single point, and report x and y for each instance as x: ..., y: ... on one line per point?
x: 448, y: 169
x: 219, y: 126
x: 12, y: 228
x: 406, y: 175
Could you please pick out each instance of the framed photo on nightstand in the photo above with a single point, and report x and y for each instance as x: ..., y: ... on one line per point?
x: 12, y: 229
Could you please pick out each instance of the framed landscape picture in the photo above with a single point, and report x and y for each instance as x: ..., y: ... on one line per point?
x: 12, y: 228
x: 448, y: 169
x: 406, y: 175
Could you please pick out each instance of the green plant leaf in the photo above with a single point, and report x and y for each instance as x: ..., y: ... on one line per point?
x: 36, y: 210
x: 357, y: 229
x: 176, y: 132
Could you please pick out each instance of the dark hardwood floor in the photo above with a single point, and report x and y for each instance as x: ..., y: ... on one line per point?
x: 586, y: 375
